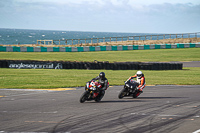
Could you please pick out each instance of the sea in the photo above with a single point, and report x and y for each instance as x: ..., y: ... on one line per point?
x: 28, y: 36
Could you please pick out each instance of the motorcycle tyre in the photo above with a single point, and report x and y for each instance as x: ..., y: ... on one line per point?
x: 83, y: 97
x: 122, y: 93
x: 99, y: 97
x: 135, y: 94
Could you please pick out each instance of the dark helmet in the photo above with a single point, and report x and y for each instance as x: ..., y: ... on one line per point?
x: 102, y: 75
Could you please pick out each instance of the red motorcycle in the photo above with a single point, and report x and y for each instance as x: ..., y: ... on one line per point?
x: 92, y: 92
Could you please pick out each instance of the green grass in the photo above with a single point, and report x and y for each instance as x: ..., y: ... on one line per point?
x: 46, y: 78
x: 156, y: 55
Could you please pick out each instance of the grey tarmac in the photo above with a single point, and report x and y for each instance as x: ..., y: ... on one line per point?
x: 160, y: 109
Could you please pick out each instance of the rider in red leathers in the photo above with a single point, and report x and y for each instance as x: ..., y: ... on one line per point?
x: 103, y: 81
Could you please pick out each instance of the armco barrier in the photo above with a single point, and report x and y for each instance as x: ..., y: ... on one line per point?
x: 97, y: 48
x: 23, y: 64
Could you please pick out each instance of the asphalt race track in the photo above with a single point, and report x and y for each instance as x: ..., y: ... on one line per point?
x: 160, y: 109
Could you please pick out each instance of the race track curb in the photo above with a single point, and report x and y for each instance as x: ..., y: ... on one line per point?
x: 97, y: 48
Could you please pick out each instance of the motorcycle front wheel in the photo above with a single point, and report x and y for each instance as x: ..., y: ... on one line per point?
x: 83, y: 97
x: 122, y: 93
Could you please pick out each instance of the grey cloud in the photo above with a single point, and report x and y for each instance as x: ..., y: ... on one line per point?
x: 5, y: 3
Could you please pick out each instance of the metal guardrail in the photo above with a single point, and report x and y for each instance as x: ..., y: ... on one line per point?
x: 118, y: 39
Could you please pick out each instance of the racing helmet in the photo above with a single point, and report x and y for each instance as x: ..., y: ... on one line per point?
x: 139, y: 74
x: 102, y: 75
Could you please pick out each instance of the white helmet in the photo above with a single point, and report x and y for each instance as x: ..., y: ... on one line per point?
x: 139, y: 74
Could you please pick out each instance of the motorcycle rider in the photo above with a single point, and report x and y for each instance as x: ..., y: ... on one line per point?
x: 140, y: 79
x: 104, y: 83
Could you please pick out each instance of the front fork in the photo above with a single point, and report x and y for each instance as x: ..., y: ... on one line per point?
x: 92, y: 94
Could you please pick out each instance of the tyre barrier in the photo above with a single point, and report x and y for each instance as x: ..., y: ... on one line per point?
x: 27, y: 64
x: 3, y: 64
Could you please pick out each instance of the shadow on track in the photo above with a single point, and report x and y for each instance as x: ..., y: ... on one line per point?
x: 116, y: 101
x: 121, y: 101
x: 160, y: 97
x: 130, y: 99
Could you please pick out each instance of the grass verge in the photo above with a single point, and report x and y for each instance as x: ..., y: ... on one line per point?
x: 153, y: 55
x: 50, y: 78
x: 45, y: 78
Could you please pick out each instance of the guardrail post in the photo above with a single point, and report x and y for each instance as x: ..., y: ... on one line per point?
x: 78, y: 41
x: 66, y: 41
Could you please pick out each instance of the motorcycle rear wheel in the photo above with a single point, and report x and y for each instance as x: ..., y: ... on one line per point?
x: 99, y: 97
x: 122, y: 93
x: 136, y: 94
x: 83, y: 97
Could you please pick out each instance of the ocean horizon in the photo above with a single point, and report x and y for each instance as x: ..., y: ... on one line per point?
x: 30, y: 36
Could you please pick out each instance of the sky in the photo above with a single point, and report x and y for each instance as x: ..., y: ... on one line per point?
x: 129, y: 16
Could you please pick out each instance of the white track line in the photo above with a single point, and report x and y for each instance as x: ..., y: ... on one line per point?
x: 197, y: 131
